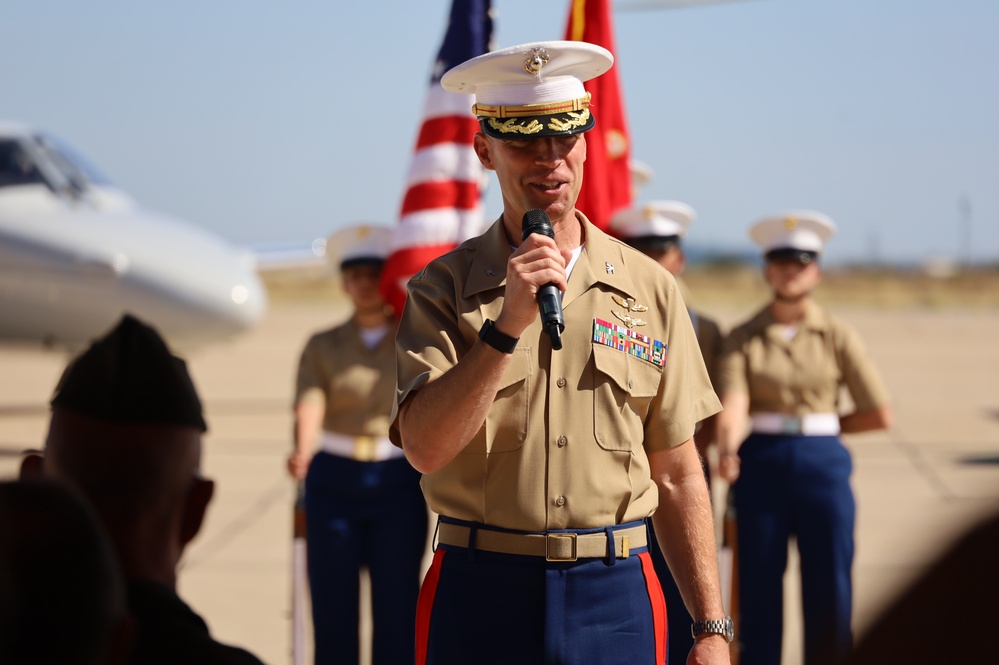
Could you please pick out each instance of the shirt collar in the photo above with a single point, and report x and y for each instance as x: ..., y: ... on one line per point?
x: 602, y: 262
x: 491, y: 251
x: 815, y: 318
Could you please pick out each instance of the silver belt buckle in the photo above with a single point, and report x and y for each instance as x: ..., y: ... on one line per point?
x: 791, y: 424
x: 555, y: 546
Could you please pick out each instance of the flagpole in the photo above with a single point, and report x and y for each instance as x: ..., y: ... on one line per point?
x: 299, y: 579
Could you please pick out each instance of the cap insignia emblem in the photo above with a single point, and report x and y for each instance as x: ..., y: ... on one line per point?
x: 790, y: 223
x: 538, y: 59
x: 609, y: 267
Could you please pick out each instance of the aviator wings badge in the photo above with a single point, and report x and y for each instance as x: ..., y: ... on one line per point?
x: 630, y: 306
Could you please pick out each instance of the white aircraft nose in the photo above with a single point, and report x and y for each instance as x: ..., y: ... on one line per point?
x: 194, y: 286
x: 248, y: 299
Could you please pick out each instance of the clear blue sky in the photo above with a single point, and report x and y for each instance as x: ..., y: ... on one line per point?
x: 271, y: 122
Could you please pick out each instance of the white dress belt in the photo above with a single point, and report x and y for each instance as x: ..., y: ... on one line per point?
x: 359, y: 448
x: 809, y: 424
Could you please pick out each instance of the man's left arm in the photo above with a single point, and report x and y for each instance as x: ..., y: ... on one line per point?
x: 684, y: 525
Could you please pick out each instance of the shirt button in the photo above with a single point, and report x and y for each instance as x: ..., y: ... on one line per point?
x: 562, y: 441
x: 560, y: 383
x: 560, y: 501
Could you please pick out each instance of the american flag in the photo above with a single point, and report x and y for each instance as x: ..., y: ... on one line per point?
x: 607, y: 185
x: 442, y: 205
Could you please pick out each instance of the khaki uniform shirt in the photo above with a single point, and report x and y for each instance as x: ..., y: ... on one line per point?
x: 564, y: 444
x: 356, y: 384
x: 803, y: 375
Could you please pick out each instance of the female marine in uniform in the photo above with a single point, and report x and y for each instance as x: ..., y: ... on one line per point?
x: 363, y: 503
x: 784, y: 370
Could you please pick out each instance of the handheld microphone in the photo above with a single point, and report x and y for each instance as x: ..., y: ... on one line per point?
x: 549, y: 299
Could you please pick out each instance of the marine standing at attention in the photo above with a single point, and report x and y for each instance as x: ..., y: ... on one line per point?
x: 363, y: 503
x: 544, y: 462
x: 784, y: 369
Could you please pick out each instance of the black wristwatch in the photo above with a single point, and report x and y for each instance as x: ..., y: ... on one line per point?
x: 724, y: 627
x: 494, y: 338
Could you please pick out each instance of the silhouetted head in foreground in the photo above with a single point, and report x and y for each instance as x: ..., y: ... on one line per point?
x: 61, y: 594
x: 126, y: 431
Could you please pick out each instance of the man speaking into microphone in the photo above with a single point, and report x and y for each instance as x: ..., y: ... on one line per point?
x: 549, y: 297
x: 544, y: 465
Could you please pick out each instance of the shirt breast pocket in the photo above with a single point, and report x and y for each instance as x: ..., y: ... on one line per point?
x: 508, y: 421
x: 623, y: 389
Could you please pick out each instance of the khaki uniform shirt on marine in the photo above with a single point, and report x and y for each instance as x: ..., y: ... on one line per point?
x: 564, y: 444
x: 356, y: 384
x: 804, y: 375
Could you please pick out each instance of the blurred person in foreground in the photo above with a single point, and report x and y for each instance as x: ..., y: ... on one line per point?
x: 657, y: 229
x: 783, y: 374
x: 126, y: 431
x: 62, y: 599
x: 545, y: 460
x: 363, y: 503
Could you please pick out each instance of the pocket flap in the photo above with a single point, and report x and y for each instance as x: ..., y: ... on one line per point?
x: 632, y: 375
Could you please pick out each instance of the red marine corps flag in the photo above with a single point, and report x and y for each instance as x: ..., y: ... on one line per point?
x: 606, y: 187
x: 443, y: 202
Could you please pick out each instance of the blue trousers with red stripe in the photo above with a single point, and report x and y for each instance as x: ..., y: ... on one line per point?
x: 489, y: 608
x: 795, y: 486
x: 364, y: 514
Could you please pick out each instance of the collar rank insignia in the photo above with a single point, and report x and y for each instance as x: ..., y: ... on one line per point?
x: 609, y: 267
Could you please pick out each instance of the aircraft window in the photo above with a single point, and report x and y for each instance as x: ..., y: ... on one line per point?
x: 16, y: 167
x: 77, y: 169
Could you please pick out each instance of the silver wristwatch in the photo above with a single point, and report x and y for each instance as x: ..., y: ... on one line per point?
x: 724, y: 627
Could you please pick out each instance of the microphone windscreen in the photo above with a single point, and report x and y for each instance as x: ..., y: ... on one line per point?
x: 537, y: 221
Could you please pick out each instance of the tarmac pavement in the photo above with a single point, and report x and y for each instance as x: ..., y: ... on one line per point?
x: 918, y: 486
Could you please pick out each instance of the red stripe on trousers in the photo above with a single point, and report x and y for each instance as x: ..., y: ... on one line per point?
x: 425, y: 606
x: 658, y: 602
